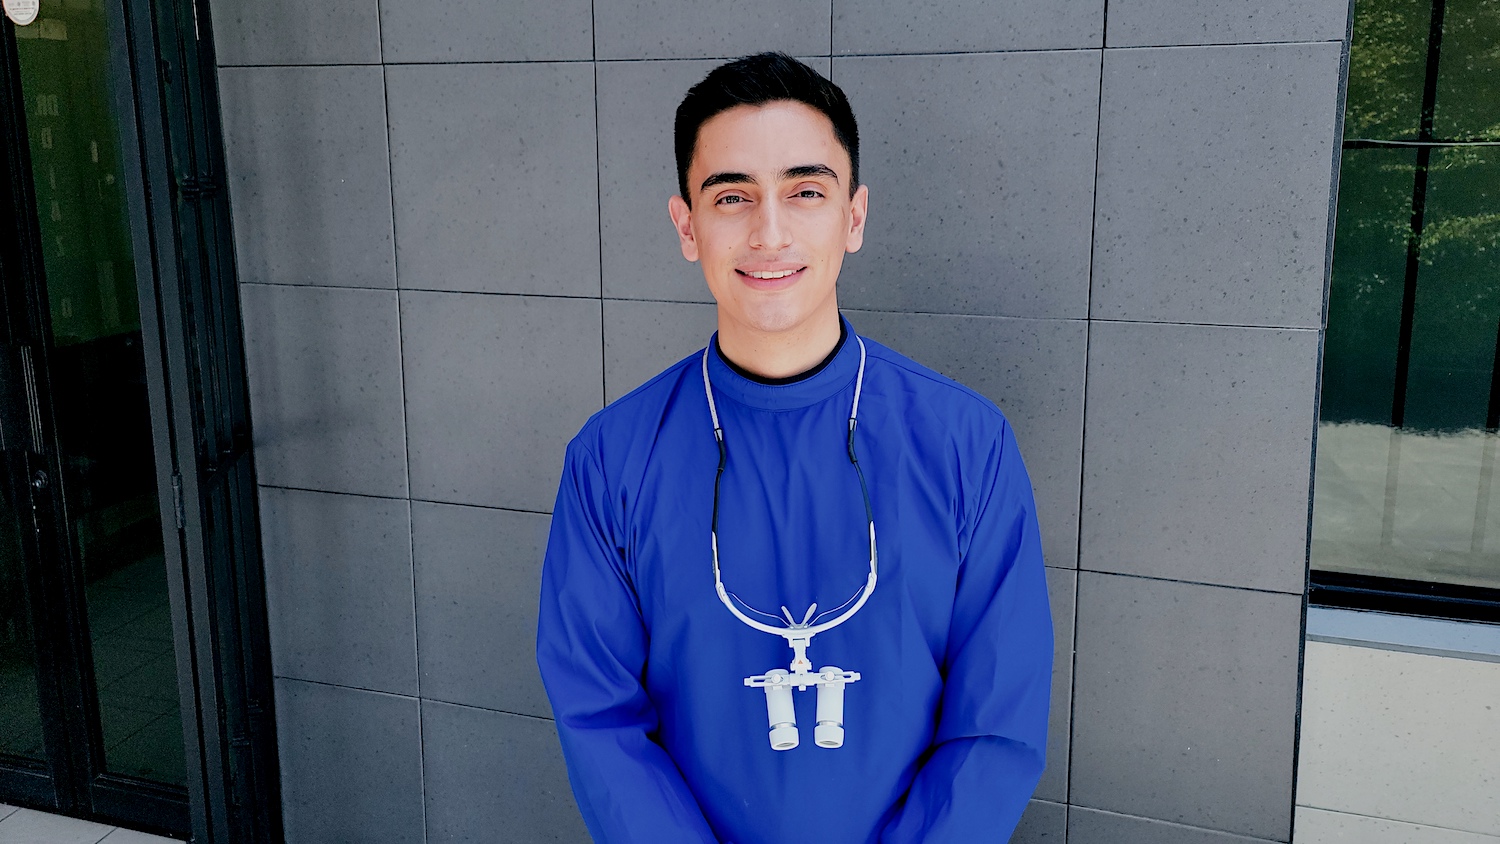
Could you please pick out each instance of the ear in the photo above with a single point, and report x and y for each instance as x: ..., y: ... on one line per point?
x: 682, y: 220
x: 858, y: 208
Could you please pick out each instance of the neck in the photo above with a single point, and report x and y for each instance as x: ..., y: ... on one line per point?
x: 782, y: 354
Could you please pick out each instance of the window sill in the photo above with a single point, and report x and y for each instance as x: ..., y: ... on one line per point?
x: 1387, y: 631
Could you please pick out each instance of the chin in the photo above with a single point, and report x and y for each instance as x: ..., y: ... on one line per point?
x: 774, y: 320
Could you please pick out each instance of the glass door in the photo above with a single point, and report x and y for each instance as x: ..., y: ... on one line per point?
x: 20, y: 712
x: 98, y: 388
x: 94, y: 585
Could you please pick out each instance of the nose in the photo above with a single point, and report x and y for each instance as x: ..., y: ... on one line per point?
x: 770, y: 230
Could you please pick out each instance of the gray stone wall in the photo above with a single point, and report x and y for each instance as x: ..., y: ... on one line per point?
x: 450, y: 226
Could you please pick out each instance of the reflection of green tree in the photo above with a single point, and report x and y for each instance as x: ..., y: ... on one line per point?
x: 1458, y: 297
x: 1463, y: 214
x: 1364, y: 307
x: 1457, y: 294
x: 1458, y: 287
x: 1480, y: 228
x: 1386, y: 61
x: 1468, y: 96
x: 1387, y: 65
x: 1443, y: 230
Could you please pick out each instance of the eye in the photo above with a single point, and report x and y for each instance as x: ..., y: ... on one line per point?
x: 730, y: 199
x: 809, y: 193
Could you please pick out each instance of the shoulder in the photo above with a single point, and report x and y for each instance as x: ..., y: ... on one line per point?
x: 919, y: 391
x: 636, y: 416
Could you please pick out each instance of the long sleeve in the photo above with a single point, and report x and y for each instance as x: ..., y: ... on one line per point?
x: 591, y: 649
x: 990, y: 745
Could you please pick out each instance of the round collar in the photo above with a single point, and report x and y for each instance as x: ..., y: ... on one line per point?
x: 836, y: 376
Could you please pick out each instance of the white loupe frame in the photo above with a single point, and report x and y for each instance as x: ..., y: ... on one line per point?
x: 778, y: 683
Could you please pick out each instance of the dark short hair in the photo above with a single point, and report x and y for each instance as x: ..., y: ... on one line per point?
x: 757, y: 80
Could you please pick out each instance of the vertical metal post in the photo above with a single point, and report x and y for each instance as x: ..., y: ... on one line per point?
x: 1418, y: 214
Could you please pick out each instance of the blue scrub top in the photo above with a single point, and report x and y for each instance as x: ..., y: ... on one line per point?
x: 946, y: 730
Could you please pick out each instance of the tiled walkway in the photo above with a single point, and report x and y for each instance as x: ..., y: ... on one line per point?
x: 1398, y: 744
x: 25, y: 826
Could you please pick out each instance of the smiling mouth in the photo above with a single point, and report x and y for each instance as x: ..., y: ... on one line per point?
x: 770, y: 275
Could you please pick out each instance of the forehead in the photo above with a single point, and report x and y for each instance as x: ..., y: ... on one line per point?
x: 769, y: 137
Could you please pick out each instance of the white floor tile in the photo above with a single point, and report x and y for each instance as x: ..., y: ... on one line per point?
x: 6, y: 811
x: 1319, y: 826
x: 1409, y: 737
x: 27, y: 826
x: 127, y: 836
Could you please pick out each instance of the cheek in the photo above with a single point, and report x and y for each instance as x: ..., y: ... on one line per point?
x: 716, y: 240
x: 831, y: 238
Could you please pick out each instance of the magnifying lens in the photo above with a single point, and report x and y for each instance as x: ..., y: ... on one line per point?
x: 778, y: 682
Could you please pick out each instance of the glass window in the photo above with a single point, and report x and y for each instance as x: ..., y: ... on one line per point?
x: 1369, y: 271
x: 1407, y: 437
x: 1468, y: 97
x: 1457, y: 308
x: 1387, y: 63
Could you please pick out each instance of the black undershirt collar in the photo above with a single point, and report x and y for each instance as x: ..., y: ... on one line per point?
x: 790, y: 379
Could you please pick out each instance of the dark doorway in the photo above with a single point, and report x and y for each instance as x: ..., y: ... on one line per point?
x: 134, y: 684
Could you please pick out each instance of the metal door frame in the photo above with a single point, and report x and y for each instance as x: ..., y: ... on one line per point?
x: 172, y: 151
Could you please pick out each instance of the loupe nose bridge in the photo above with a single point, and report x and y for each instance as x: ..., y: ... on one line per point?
x: 781, y: 715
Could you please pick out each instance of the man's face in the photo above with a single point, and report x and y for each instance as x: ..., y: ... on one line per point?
x: 771, y: 215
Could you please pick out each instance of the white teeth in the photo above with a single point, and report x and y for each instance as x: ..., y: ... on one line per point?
x: 771, y: 276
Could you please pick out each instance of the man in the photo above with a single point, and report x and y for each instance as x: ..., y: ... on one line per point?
x: 799, y: 466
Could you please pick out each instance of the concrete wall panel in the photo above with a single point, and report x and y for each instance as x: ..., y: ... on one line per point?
x: 272, y: 32
x: 493, y: 171
x: 1042, y: 823
x: 492, y: 776
x: 1091, y: 826
x: 495, y: 388
x: 999, y: 357
x: 981, y: 174
x: 339, y: 588
x: 1185, y: 703
x: 351, y: 765
x: 439, y: 31
x: 643, y: 338
x: 308, y: 175
x: 697, y: 29
x: 478, y: 575
x: 1197, y: 463
x: 1141, y: 23
x: 1215, y: 171
x: 324, y: 366
x: 893, y: 26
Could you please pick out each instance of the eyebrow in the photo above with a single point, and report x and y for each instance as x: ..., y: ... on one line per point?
x: 801, y: 171
x: 807, y: 171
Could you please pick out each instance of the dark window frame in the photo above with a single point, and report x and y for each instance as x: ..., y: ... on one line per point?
x: 1404, y: 597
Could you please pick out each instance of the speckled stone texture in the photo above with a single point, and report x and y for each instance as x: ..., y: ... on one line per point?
x: 495, y: 388
x: 493, y: 171
x: 308, y: 175
x: 1198, y: 445
x: 325, y: 388
x: 339, y: 588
